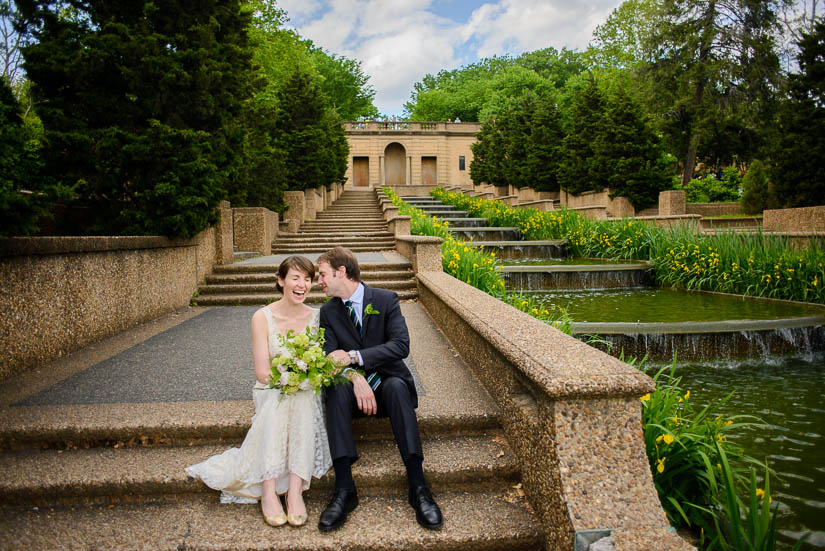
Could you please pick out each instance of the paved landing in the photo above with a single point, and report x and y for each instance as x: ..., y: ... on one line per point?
x: 204, y: 358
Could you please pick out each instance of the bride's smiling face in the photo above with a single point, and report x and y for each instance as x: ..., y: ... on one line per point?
x: 296, y: 285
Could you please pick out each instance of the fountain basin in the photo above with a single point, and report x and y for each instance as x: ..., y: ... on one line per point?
x: 465, y: 222
x: 485, y: 234
x: 577, y: 276
x: 450, y: 214
x: 556, y: 248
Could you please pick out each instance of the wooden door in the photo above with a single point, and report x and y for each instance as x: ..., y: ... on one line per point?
x: 395, y: 165
x: 361, y: 171
x: 429, y: 174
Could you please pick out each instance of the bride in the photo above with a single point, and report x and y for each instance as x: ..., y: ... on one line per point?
x: 287, y: 442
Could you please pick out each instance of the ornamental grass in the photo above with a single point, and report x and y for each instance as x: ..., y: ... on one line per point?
x: 754, y: 264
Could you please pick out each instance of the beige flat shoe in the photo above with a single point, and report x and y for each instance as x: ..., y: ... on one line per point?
x: 274, y: 520
x: 295, y: 520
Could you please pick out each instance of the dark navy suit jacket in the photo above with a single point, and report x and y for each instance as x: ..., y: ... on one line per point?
x: 385, y: 341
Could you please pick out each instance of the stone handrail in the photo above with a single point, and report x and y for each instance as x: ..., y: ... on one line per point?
x: 571, y: 413
x: 412, y: 126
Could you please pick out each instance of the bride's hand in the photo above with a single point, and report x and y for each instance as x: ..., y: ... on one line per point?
x: 340, y: 357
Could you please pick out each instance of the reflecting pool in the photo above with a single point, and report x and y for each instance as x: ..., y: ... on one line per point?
x: 787, y: 393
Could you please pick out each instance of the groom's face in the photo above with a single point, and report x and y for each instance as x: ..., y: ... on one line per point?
x: 331, y: 281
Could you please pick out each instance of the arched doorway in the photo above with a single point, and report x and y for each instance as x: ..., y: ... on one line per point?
x: 395, y: 165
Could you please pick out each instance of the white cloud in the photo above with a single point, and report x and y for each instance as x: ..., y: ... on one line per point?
x: 399, y: 41
x: 515, y: 26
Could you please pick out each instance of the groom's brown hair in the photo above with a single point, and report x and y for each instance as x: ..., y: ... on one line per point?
x: 339, y: 256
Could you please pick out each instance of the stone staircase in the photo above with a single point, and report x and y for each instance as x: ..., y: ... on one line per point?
x: 111, y: 476
x: 354, y: 221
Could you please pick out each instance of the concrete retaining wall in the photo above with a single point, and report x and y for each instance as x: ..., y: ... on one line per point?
x: 413, y: 191
x: 618, y: 207
x: 571, y: 413
x: 713, y: 209
x: 255, y: 228
x: 60, y: 294
x: 806, y: 219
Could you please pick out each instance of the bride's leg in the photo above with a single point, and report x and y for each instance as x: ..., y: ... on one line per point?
x: 295, y: 498
x: 270, y: 502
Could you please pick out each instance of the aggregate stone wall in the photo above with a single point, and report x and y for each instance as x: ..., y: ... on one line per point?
x: 60, y: 294
x: 714, y: 209
x: 254, y: 229
x: 571, y: 413
x: 805, y: 219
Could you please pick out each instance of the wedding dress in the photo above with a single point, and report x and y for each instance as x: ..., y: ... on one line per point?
x: 288, y: 435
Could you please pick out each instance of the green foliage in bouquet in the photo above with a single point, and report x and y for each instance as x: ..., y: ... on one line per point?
x: 303, y: 365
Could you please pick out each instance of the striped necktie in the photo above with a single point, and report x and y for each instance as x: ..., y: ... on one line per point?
x: 353, y: 316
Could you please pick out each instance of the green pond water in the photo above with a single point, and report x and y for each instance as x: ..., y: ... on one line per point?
x: 668, y: 305
x: 786, y: 393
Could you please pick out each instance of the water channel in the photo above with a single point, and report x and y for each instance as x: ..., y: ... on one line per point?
x: 770, y: 353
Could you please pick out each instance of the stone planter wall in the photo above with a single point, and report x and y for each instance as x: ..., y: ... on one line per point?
x: 60, y: 294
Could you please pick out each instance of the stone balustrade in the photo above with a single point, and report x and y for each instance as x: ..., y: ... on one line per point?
x: 571, y: 413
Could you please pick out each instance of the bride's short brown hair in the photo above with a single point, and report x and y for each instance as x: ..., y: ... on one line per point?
x: 300, y: 263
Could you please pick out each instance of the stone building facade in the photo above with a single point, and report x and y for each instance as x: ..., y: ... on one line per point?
x: 409, y: 153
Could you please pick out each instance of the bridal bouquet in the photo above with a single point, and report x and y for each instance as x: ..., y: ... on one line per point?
x: 302, y: 363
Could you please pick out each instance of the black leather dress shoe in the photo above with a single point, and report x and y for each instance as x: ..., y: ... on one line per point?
x: 344, y: 501
x: 427, y: 512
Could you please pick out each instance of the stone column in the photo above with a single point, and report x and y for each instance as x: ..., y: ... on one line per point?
x: 296, y: 209
x: 309, y: 204
x: 408, y: 173
x: 381, y: 176
x: 224, y: 238
x: 672, y: 203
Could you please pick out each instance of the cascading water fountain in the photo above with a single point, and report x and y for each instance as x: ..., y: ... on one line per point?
x: 771, y: 354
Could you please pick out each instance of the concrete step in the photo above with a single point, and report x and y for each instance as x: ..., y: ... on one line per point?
x: 325, y: 237
x: 236, y: 299
x: 273, y: 268
x: 481, y: 520
x: 270, y: 289
x: 307, y: 249
x: 105, y: 475
x: 336, y: 234
x: 230, y: 279
x: 191, y: 424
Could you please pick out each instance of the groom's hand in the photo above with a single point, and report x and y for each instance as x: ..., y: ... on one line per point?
x: 364, y: 395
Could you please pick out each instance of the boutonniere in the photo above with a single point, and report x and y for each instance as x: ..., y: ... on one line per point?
x: 370, y: 310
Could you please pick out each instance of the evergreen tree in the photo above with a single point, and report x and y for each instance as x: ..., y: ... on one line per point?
x: 630, y: 154
x: 758, y: 193
x: 545, y: 143
x: 305, y: 128
x: 516, y: 140
x: 580, y: 169
x: 25, y: 195
x: 139, y: 102
x: 799, y: 175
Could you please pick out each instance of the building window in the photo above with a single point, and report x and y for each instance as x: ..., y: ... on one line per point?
x: 461, y: 162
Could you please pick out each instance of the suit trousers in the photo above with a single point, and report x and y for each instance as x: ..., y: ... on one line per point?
x: 393, y: 400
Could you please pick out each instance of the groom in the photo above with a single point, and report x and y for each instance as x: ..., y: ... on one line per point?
x: 364, y: 329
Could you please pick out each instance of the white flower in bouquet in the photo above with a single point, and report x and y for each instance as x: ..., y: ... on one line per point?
x: 302, y: 364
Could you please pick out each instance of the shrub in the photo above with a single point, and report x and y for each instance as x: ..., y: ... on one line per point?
x: 758, y: 193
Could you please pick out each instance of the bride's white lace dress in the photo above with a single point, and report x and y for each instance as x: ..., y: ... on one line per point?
x: 288, y: 435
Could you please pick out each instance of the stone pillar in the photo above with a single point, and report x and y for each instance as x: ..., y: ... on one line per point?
x: 381, y: 180
x: 254, y: 229
x: 296, y: 209
x: 309, y: 204
x: 620, y: 207
x: 399, y: 225
x: 322, y: 203
x: 672, y: 203
x: 319, y: 199
x: 423, y: 251
x: 408, y: 173
x: 224, y: 237
x: 390, y: 211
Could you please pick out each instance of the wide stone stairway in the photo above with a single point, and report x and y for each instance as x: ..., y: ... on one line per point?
x: 96, y: 461
x: 354, y: 221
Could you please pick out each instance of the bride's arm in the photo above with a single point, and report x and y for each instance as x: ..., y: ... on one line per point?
x: 260, y: 348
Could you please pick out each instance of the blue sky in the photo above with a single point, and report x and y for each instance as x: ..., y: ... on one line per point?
x: 399, y: 41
